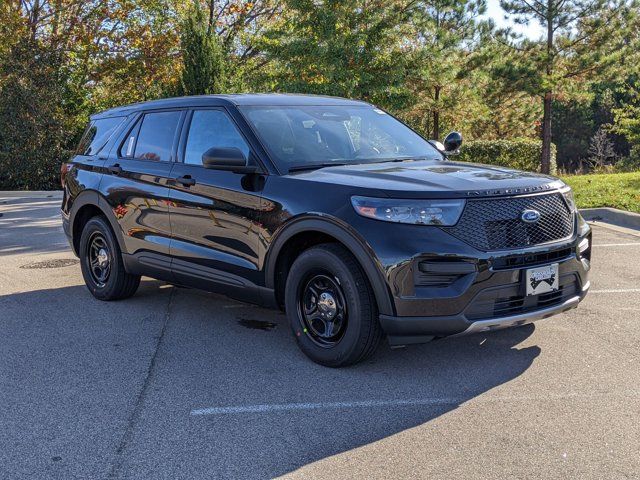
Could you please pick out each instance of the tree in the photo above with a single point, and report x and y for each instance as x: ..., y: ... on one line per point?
x: 601, y: 149
x: 582, y: 38
x: 350, y: 48
x: 446, y: 33
x: 204, y: 61
x: 34, y: 130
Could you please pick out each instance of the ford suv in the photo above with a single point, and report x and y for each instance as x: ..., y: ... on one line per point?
x: 330, y: 209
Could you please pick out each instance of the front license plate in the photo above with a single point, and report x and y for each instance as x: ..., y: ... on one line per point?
x: 542, y: 279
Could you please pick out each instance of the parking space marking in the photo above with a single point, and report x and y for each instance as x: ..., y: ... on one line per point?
x: 417, y: 402
x: 323, y: 406
x: 617, y: 244
x: 617, y: 290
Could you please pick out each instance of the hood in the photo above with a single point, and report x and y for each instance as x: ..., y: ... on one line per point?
x: 433, y: 178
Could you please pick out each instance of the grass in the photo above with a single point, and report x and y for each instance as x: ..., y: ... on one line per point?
x: 617, y: 190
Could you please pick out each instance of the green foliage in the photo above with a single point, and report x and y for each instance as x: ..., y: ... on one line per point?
x: 630, y: 163
x: 616, y: 190
x: 583, y: 38
x: 204, y: 61
x: 35, y: 133
x: 438, y: 65
x: 521, y: 153
x: 348, y: 48
x: 440, y: 78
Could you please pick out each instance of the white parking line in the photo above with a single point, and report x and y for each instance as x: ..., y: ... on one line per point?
x: 323, y: 406
x: 617, y: 290
x: 616, y: 244
x: 284, y: 407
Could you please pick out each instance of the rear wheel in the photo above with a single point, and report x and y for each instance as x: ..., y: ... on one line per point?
x: 101, y: 263
x: 331, y: 307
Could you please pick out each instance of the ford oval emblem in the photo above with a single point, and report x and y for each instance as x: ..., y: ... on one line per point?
x: 530, y: 216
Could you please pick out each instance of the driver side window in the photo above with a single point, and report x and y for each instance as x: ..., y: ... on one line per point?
x: 211, y: 128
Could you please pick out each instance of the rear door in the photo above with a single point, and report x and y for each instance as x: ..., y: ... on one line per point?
x: 136, y: 189
x: 214, y: 213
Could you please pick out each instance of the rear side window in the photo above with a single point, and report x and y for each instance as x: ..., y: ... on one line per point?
x: 97, y: 135
x: 211, y: 128
x: 155, y: 137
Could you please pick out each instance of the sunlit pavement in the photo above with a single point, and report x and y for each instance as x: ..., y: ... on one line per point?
x: 177, y: 383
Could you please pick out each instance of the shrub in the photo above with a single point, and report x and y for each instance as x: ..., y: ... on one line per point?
x: 630, y: 163
x: 33, y: 173
x: 35, y: 132
x: 519, y: 153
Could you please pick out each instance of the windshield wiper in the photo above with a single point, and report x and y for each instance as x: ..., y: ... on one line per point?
x: 315, y: 166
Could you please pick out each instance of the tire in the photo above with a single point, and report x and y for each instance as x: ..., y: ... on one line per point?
x: 100, y: 252
x: 341, y: 327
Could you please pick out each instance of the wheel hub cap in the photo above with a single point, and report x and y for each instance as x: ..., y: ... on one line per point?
x: 327, y: 305
x: 102, y: 257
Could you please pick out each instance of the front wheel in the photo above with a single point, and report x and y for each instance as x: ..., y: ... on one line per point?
x: 101, y: 263
x: 331, y: 307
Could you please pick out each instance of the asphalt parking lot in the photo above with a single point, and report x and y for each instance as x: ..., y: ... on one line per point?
x: 177, y: 383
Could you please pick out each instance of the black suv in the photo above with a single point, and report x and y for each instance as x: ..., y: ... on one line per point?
x: 329, y: 208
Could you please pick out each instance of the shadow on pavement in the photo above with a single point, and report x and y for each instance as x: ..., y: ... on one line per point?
x: 30, y: 226
x: 209, y: 359
x: 78, y: 365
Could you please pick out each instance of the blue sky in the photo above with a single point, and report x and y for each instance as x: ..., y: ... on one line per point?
x: 495, y: 12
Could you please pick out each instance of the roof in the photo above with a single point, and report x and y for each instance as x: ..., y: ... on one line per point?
x: 244, y: 99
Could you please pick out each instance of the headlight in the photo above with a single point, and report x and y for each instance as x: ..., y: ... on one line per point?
x: 423, y: 212
x: 568, y: 196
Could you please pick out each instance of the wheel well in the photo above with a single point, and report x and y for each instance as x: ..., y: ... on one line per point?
x: 292, y: 248
x: 86, y: 213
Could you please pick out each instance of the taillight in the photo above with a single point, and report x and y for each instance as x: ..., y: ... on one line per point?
x: 64, y: 169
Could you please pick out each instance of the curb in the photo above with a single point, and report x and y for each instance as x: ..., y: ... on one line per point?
x: 613, y: 216
x: 30, y: 194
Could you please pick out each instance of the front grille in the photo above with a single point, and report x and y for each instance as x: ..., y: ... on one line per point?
x: 530, y: 259
x: 509, y: 300
x: 496, y: 224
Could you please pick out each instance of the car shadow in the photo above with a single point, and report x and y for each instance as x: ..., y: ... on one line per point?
x: 254, y: 361
x: 213, y: 352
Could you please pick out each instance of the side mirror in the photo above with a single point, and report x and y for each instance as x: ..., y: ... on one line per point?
x: 452, y: 143
x: 226, y: 158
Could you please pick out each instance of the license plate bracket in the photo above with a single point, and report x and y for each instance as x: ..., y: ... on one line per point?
x: 543, y: 279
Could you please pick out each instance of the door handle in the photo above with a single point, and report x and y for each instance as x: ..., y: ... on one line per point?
x: 115, y: 169
x: 187, y: 181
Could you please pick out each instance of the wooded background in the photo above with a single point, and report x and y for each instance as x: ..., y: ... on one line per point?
x: 439, y: 65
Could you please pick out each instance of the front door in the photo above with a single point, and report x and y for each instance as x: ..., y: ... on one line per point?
x: 214, y: 213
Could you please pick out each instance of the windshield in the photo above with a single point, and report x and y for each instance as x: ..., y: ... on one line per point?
x: 299, y: 137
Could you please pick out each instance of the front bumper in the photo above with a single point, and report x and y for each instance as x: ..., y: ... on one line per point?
x: 492, y: 296
x: 408, y: 330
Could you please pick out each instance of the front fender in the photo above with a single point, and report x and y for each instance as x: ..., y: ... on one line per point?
x: 346, y: 235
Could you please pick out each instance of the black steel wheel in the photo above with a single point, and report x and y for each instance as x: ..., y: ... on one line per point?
x: 331, y: 307
x: 100, y: 259
x: 322, y: 309
x: 101, y: 262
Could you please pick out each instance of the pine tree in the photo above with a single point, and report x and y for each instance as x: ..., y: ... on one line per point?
x: 447, y: 32
x: 204, y: 60
x: 582, y: 38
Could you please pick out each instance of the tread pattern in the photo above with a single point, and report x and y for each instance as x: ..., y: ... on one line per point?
x: 370, y: 338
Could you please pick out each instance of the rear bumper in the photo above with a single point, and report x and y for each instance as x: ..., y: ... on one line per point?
x: 66, y: 228
x: 408, y: 330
